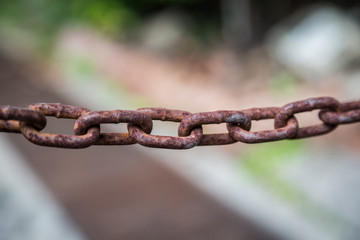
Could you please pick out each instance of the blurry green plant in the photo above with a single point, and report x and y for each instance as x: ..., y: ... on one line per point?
x: 41, y: 20
x: 111, y: 17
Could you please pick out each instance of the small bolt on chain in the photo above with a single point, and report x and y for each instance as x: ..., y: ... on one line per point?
x: 31, y: 120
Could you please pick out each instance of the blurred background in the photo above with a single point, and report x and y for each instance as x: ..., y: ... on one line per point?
x: 191, y: 55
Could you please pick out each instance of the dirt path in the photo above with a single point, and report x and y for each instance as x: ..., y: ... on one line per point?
x: 117, y: 192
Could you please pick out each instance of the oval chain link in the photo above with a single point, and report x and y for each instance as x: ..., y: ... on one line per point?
x: 310, y: 104
x: 116, y: 116
x: 59, y: 140
x: 216, y: 117
x: 242, y: 135
x: 185, y: 142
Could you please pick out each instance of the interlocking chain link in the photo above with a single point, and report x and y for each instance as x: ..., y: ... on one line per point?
x: 31, y: 120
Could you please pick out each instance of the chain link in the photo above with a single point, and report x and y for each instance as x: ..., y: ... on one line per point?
x: 243, y: 135
x: 217, y: 117
x: 182, y: 142
x: 31, y: 120
x: 308, y: 105
x: 59, y: 140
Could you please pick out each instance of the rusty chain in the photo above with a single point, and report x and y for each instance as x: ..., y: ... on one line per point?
x: 31, y: 120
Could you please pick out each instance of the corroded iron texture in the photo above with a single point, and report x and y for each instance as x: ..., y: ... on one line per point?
x: 217, y: 117
x: 59, y: 140
x: 30, y: 121
x: 183, y: 142
x: 243, y: 135
x: 305, y: 106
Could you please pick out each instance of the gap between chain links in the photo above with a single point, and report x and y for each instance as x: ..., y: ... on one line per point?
x: 30, y: 121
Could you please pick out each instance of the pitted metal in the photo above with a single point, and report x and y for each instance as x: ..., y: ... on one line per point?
x: 243, y: 135
x: 183, y: 142
x: 308, y: 105
x: 116, y: 116
x: 217, y: 117
x: 59, y: 140
x: 349, y: 113
x: 30, y: 121
x: 10, y: 118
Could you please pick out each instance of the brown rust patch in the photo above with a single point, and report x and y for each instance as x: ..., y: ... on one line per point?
x: 216, y: 117
x: 35, y: 118
x: 168, y: 142
x: 116, y: 116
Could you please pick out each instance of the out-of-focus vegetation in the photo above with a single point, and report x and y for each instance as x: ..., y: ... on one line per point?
x: 239, y: 24
x: 42, y: 19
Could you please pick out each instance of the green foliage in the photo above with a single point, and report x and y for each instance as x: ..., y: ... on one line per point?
x: 43, y: 19
x: 111, y: 17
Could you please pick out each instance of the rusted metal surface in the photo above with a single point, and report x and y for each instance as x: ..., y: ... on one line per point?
x: 37, y: 119
x: 243, y: 135
x: 59, y: 140
x: 12, y: 126
x: 117, y: 116
x: 182, y: 142
x: 307, y: 105
x: 350, y: 112
x: 217, y: 117
x: 58, y: 110
x: 31, y: 120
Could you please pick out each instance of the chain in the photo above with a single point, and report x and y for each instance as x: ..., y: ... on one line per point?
x: 31, y: 120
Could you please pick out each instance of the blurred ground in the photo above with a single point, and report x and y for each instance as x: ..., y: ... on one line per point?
x: 114, y: 193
